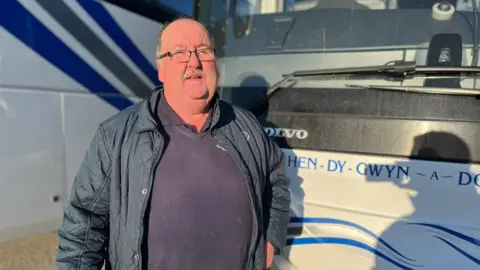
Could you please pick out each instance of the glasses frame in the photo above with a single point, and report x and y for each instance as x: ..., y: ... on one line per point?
x: 170, y: 54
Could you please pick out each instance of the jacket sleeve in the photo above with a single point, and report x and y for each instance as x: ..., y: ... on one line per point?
x: 83, y: 232
x: 277, y: 196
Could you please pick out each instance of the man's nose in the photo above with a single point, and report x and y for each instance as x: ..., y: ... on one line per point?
x: 194, y: 61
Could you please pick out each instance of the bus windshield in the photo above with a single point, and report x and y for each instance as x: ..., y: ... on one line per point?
x: 261, y: 27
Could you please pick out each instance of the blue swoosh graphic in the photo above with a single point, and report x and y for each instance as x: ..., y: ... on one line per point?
x: 348, y: 223
x: 350, y: 242
x: 467, y: 238
x: 343, y: 241
x: 24, y: 26
x: 100, y: 14
x: 464, y: 253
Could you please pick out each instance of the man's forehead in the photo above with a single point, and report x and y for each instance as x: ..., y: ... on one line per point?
x: 185, y: 33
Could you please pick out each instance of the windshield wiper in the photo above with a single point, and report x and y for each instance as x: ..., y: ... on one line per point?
x: 421, y: 89
x: 398, y: 68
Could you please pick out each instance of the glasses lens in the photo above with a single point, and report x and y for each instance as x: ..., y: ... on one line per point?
x: 184, y: 56
x: 180, y: 56
x: 206, y: 54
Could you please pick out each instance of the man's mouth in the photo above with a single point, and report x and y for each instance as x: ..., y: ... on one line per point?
x: 197, y: 75
x: 194, y: 77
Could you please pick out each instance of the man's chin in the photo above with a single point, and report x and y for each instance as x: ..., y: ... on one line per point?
x: 197, y: 92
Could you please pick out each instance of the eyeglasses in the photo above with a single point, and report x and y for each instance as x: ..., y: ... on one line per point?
x: 179, y: 56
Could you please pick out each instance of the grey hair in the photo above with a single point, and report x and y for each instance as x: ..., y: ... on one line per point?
x: 159, y: 39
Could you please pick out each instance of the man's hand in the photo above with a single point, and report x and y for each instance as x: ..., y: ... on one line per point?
x: 269, y: 252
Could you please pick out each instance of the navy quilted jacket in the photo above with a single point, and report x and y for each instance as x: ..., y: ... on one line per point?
x: 103, y: 220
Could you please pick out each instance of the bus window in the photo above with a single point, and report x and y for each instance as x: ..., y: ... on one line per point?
x: 157, y: 10
x: 252, y: 7
x: 184, y: 7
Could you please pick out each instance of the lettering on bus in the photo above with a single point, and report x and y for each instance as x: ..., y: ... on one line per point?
x: 384, y: 172
x: 288, y: 133
x: 302, y: 162
x: 377, y: 170
x: 467, y: 178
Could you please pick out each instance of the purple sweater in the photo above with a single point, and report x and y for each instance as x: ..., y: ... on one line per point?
x: 200, y: 214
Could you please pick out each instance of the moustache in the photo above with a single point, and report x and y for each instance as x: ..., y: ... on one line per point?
x: 193, y: 73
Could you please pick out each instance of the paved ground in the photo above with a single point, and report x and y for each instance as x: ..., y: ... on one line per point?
x: 33, y: 253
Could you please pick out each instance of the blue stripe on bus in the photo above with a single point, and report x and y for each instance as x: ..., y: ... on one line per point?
x: 19, y: 22
x: 110, y: 26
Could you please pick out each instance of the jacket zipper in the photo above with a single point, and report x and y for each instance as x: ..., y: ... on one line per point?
x: 142, y: 216
x: 250, y: 193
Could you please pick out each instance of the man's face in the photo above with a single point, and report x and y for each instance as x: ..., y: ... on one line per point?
x: 193, y: 79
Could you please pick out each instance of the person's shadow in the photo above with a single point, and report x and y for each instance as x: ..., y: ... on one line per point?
x: 443, y: 232
x: 252, y: 95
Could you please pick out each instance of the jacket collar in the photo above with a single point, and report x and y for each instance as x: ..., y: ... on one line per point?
x: 148, y: 108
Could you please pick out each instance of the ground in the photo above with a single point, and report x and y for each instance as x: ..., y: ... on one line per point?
x: 32, y: 253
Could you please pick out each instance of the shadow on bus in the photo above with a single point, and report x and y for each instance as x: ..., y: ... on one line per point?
x: 433, y: 227
x: 252, y: 95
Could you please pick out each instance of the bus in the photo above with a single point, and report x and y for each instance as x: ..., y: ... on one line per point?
x: 375, y: 104
x: 65, y: 66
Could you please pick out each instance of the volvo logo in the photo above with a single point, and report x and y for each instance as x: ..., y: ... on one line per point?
x: 286, y: 133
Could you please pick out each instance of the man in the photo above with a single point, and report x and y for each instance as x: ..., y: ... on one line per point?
x: 181, y: 180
